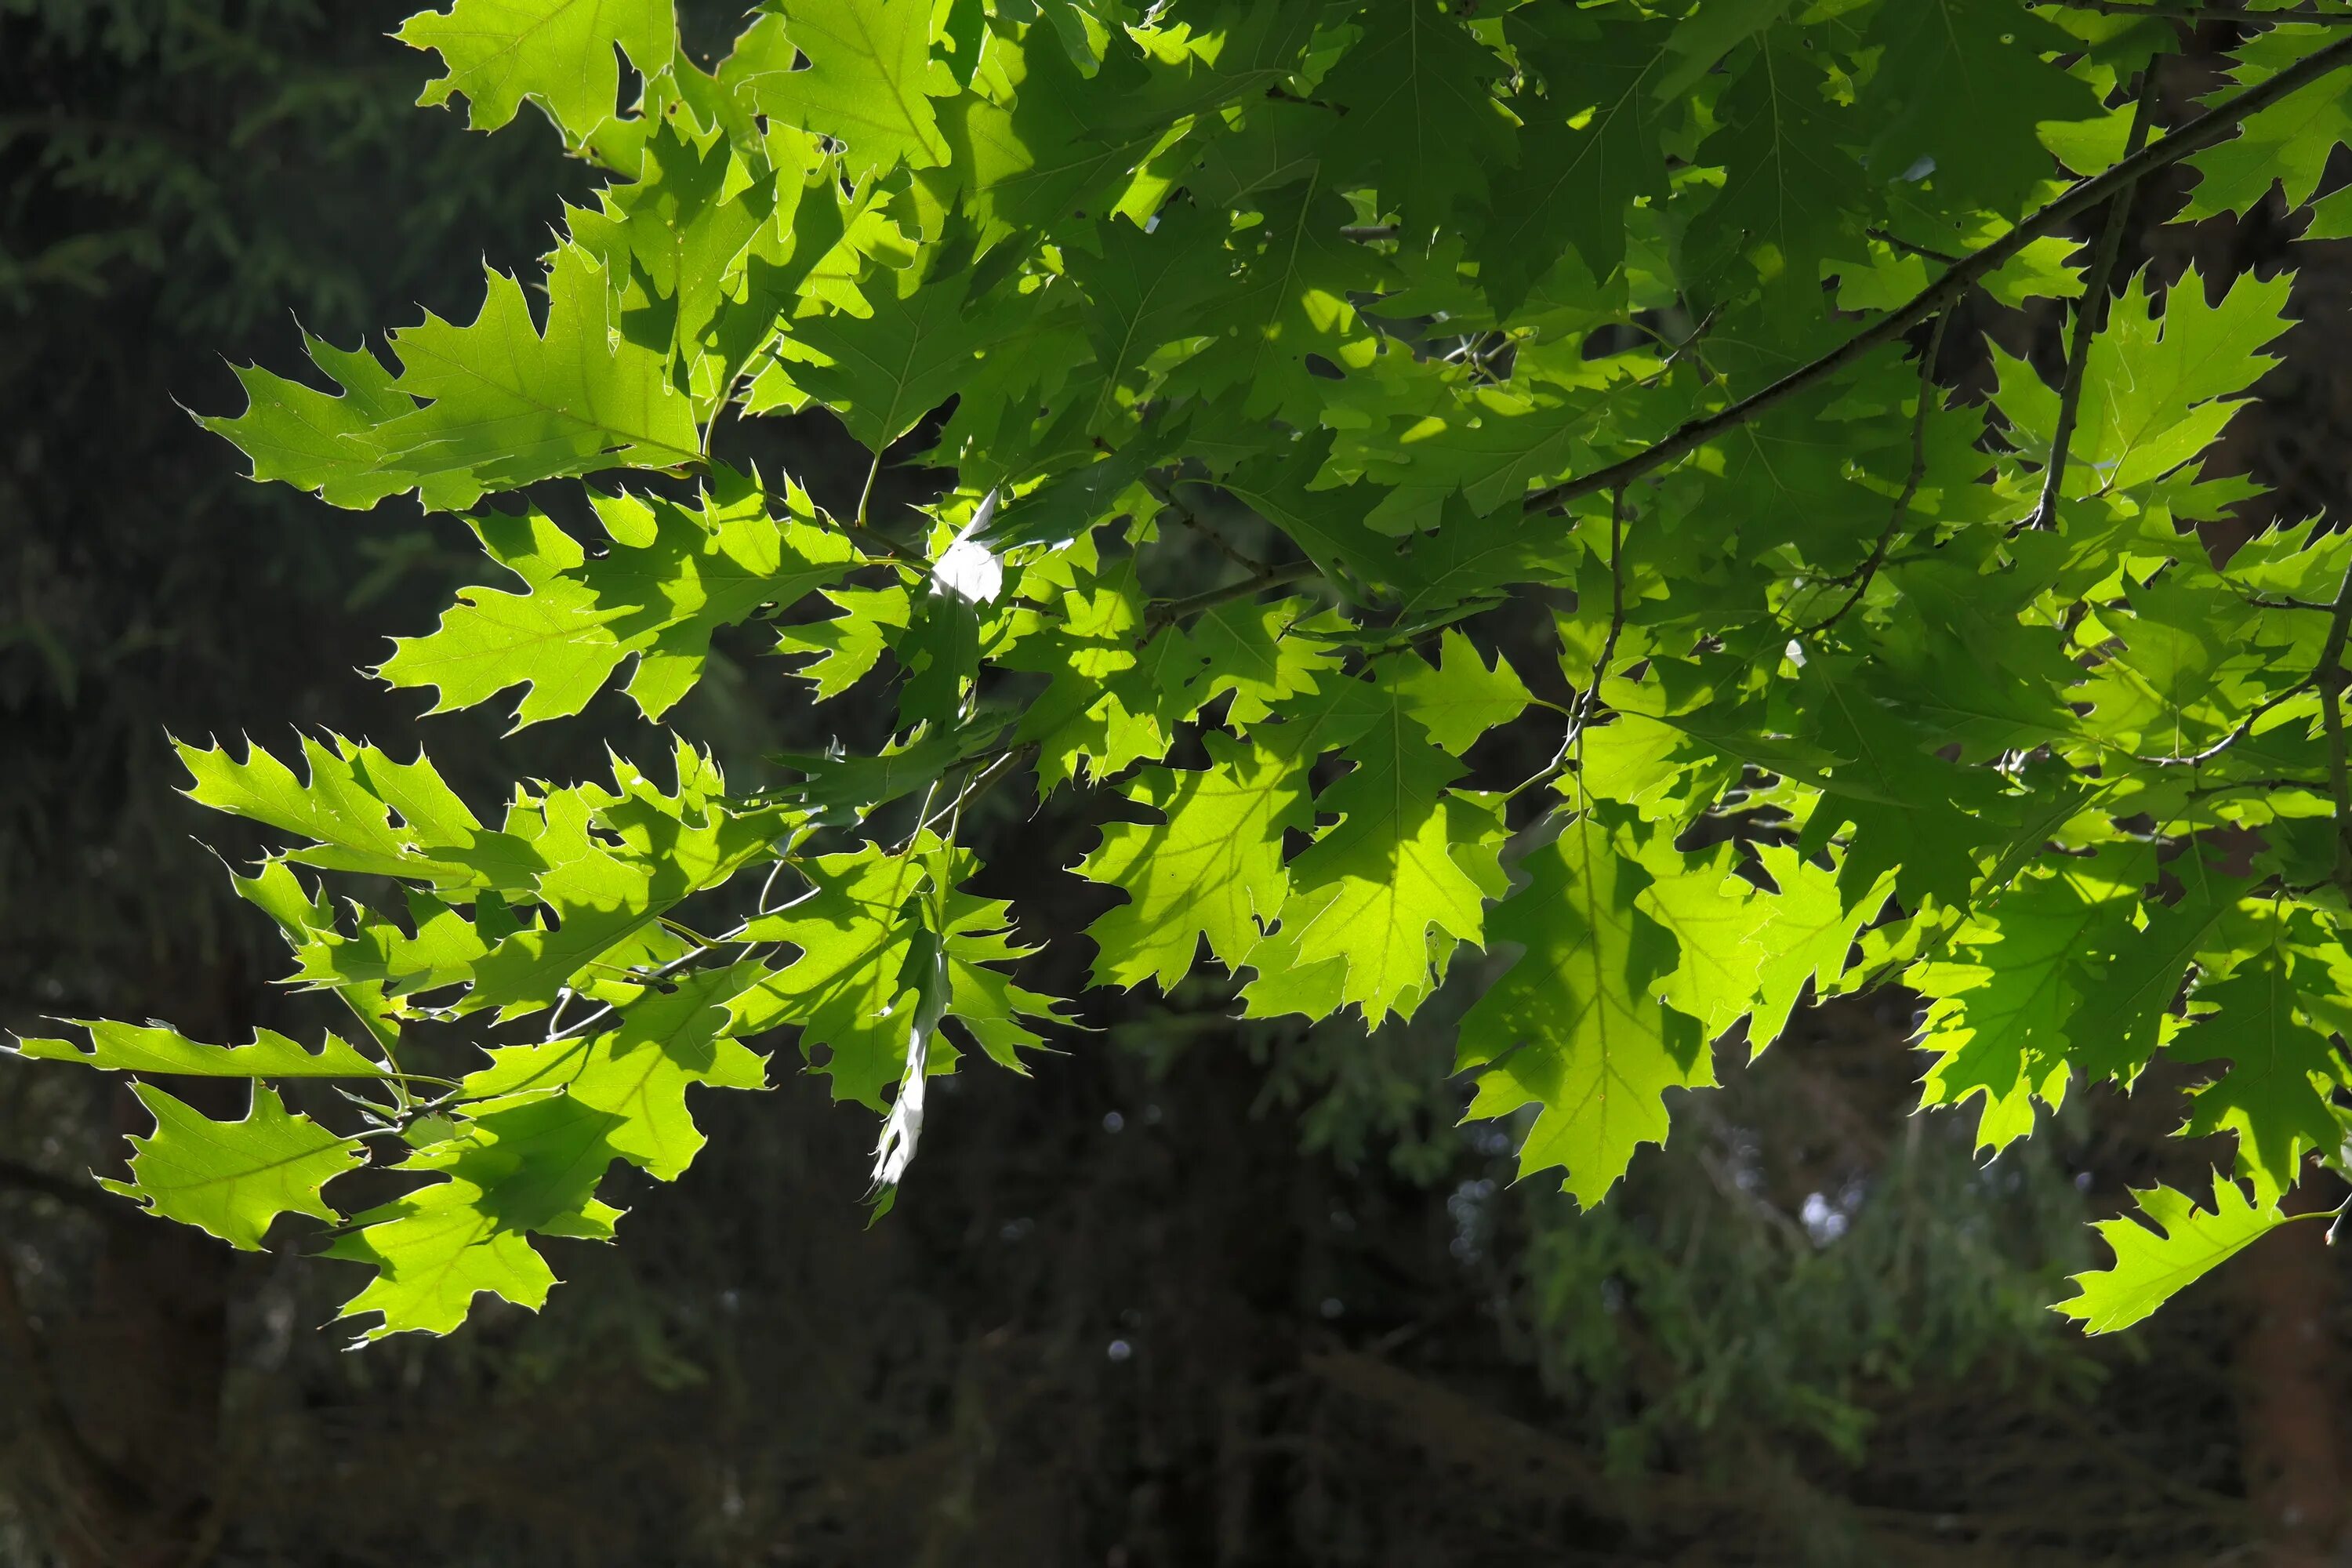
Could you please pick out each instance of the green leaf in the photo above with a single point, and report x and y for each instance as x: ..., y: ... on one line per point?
x: 125, y: 1047
x: 1592, y: 148
x: 2287, y: 145
x: 2001, y: 1015
x: 316, y: 441
x: 850, y: 645
x: 1263, y: 323
x: 884, y: 372
x: 1783, y: 154
x: 433, y: 1256
x: 1407, y: 865
x: 557, y: 53
x: 848, y: 988
x: 1574, y: 1027
x: 866, y: 943
x: 2283, y: 1072
x: 361, y: 812
x: 1716, y: 919
x: 1211, y: 868
x: 639, y: 1070
x: 1424, y: 122
x: 672, y: 576
x: 2157, y: 389
x: 601, y: 896
x: 1808, y: 931
x: 1328, y: 524
x: 2153, y: 1264
x: 2132, y: 998
x: 1462, y: 698
x: 1144, y: 292
x: 1291, y: 304
x: 515, y: 1167
x: 684, y: 244
x: 233, y: 1178
x: 1942, y: 62
x: 1262, y: 654
x: 868, y: 79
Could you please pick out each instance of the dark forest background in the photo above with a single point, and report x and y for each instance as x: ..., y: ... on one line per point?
x: 1197, y: 1294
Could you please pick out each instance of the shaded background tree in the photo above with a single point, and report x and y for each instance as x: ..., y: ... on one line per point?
x: 1202, y: 1294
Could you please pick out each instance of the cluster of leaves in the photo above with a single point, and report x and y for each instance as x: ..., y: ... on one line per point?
x: 1591, y: 320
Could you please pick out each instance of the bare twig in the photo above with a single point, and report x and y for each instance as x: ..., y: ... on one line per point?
x: 2195, y: 136
x: 1674, y: 351
x: 1165, y: 495
x: 1862, y: 576
x: 2096, y: 286
x: 2244, y: 727
x: 883, y: 545
x: 1924, y: 253
x: 1168, y: 612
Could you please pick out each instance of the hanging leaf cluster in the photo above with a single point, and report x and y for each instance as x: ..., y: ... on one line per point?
x: 1551, y: 380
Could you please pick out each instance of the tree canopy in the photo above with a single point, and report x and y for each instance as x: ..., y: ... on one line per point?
x: 1573, y: 382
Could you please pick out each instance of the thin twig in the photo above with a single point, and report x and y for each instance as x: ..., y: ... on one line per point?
x: 884, y: 544
x: 2195, y: 137
x: 2244, y: 727
x: 2092, y: 309
x: 1925, y: 253
x: 1674, y: 351
x: 1862, y: 576
x: 1168, y: 612
x: 1165, y: 494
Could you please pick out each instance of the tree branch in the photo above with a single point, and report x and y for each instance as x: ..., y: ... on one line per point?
x: 2195, y: 137
x: 2244, y: 727
x: 1168, y: 612
x: 1165, y: 495
x: 2093, y: 310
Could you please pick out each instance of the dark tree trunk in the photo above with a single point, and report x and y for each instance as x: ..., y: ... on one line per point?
x: 2289, y: 1388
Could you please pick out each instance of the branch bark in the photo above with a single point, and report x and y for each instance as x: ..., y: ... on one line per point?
x: 2195, y: 136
